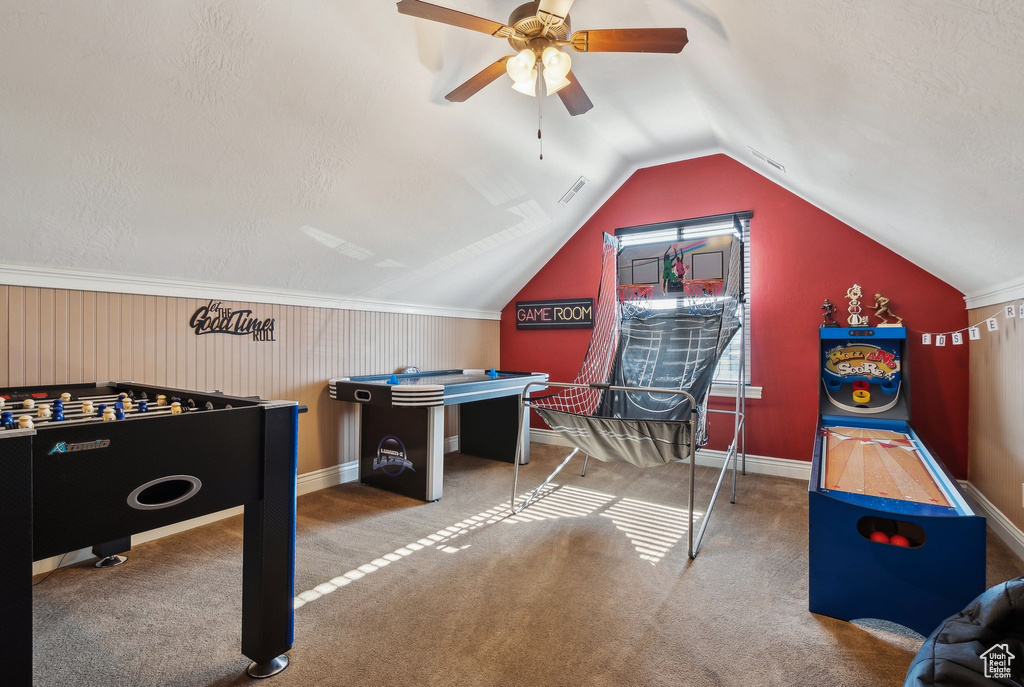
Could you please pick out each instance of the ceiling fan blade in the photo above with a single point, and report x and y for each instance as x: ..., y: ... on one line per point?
x: 476, y: 83
x: 558, y: 8
x: 424, y: 10
x: 574, y: 97
x: 629, y: 40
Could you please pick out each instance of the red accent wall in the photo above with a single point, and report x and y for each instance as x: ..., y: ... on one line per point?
x: 800, y: 255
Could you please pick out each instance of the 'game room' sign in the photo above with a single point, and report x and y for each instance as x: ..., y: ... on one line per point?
x: 566, y: 313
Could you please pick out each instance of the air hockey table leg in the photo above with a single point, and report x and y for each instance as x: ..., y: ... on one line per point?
x: 487, y: 429
x: 435, y: 453
x: 268, y: 551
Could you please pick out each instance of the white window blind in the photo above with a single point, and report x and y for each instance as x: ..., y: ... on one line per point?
x: 729, y: 365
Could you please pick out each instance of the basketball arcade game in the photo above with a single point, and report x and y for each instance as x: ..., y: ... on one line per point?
x: 891, y: 535
x: 92, y: 464
x: 641, y: 394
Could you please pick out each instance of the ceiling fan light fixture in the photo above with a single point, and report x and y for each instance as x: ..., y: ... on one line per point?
x: 537, y: 30
x: 554, y: 84
x: 556, y: 63
x: 527, y: 86
x: 522, y: 67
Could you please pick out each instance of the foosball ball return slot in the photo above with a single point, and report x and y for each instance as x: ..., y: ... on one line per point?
x: 163, y: 492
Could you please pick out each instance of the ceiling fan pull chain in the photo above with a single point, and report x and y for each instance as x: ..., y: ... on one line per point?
x: 540, y: 107
x: 540, y: 123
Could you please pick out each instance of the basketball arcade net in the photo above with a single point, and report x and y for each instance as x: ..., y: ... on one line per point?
x: 703, y: 296
x: 604, y: 343
x: 635, y: 300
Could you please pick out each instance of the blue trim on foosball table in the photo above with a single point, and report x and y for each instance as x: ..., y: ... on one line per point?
x: 294, y: 516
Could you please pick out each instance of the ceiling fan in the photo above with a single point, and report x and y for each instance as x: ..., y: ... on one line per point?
x: 537, y: 31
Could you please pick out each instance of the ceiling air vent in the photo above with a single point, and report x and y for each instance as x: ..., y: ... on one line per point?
x: 571, y: 193
x: 764, y: 158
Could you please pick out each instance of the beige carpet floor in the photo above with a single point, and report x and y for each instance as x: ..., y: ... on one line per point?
x: 591, y: 587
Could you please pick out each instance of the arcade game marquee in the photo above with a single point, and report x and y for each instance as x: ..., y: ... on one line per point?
x: 891, y: 534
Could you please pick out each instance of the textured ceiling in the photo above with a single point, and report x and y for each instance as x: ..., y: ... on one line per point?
x: 307, y: 145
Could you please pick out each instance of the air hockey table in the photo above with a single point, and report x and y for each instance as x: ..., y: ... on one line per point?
x: 401, y: 423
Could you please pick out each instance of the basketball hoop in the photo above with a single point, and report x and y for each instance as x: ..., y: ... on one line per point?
x: 702, y: 295
x: 635, y: 300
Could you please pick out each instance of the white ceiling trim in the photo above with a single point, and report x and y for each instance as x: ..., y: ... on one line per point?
x: 78, y: 280
x: 1007, y: 291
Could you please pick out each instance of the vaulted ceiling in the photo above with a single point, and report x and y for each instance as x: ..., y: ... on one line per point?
x: 307, y: 145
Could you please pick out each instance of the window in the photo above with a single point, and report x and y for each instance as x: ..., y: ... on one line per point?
x: 642, y: 257
x: 729, y: 365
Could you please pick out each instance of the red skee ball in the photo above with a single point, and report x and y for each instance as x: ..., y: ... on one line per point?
x: 880, y: 537
x: 899, y: 540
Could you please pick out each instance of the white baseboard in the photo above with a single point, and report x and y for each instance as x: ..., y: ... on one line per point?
x: 760, y: 465
x: 997, y: 521
x: 327, y: 477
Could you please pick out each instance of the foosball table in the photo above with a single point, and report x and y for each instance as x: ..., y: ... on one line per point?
x: 89, y: 465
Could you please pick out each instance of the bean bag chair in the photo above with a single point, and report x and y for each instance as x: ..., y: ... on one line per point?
x: 987, y: 635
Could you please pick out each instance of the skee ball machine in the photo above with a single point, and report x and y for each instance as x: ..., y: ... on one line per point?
x: 891, y: 534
